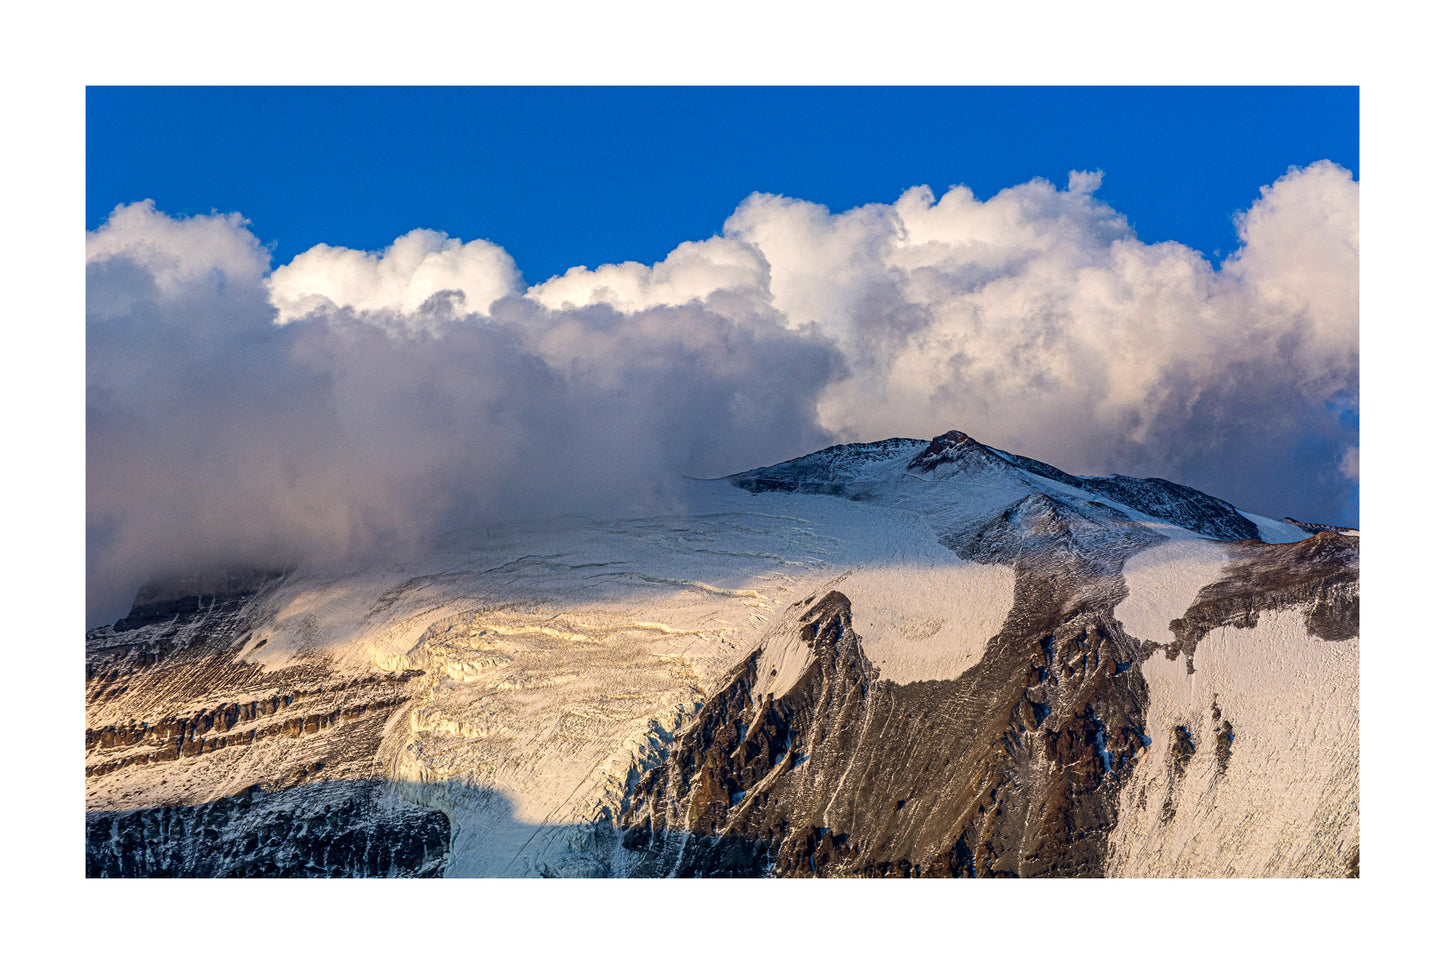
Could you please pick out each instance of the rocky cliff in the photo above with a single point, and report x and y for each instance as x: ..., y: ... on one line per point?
x: 907, y: 658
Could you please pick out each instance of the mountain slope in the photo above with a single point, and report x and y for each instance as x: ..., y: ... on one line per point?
x: 906, y: 657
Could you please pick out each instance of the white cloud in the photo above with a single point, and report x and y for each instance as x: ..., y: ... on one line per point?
x: 1039, y: 321
x: 177, y: 251
x: 338, y: 406
x: 694, y: 271
x: 220, y: 431
x: 1301, y: 255
x: 400, y: 279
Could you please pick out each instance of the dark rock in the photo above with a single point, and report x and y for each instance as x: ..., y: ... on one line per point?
x: 351, y: 829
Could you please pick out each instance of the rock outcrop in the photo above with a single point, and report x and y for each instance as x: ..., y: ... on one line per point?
x: 899, y: 659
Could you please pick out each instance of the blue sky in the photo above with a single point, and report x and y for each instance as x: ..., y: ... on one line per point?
x: 582, y: 176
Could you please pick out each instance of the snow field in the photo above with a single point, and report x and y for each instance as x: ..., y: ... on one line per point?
x: 1287, y: 804
x: 1163, y: 581
x: 1273, y: 531
x: 556, y: 664
x: 931, y: 619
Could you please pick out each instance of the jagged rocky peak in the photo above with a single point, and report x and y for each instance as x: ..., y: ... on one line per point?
x: 948, y: 447
x: 833, y: 608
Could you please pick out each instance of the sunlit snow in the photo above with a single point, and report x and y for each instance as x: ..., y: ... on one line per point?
x: 1292, y: 702
x: 557, y: 665
x: 1163, y: 581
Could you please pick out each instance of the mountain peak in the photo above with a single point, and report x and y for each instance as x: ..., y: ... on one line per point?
x: 871, y: 470
x: 950, y: 439
x: 948, y: 447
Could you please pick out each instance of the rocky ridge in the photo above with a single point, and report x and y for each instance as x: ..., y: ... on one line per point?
x: 1047, y: 754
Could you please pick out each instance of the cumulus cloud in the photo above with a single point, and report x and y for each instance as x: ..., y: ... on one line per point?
x: 225, y: 429
x: 401, y: 279
x: 353, y: 402
x: 175, y: 252
x: 694, y: 271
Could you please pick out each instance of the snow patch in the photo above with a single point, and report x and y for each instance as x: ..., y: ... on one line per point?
x: 1287, y: 803
x: 1273, y: 531
x: 784, y: 658
x: 928, y: 620
x: 1162, y: 582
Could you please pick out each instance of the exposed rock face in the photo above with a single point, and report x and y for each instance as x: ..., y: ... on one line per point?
x: 1313, y: 527
x: 695, y: 696
x: 171, y: 705
x: 1016, y: 768
x: 1320, y: 574
x: 320, y: 830
x: 835, y: 471
x: 832, y: 471
x: 215, y: 594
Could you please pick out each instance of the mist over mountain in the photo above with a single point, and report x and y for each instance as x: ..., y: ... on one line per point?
x: 355, y: 405
x: 903, y: 658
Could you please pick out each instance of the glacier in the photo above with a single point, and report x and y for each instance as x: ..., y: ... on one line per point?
x: 559, y: 699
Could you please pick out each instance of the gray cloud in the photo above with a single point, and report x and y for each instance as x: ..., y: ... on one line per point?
x: 217, y: 436
x: 351, y: 404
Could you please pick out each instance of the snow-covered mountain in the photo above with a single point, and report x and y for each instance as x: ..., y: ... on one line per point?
x: 899, y: 658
